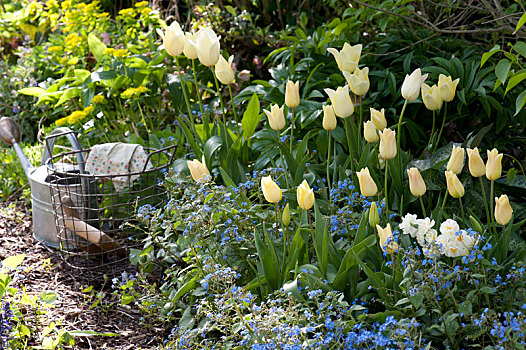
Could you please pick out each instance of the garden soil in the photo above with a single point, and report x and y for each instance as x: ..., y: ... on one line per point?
x: 71, y: 311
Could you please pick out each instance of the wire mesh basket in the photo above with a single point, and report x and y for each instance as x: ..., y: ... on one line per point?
x: 96, y: 223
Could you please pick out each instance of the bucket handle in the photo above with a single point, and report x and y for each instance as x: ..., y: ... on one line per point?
x: 50, y: 143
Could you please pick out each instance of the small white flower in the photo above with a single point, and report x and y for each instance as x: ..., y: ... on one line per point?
x: 449, y: 227
x: 409, y: 225
x: 424, y: 225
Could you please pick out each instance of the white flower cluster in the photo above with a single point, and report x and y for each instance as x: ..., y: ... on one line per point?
x: 452, y: 241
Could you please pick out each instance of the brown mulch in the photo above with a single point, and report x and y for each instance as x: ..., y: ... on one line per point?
x: 72, y: 308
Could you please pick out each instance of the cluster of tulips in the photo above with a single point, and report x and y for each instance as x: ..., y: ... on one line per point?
x: 375, y: 129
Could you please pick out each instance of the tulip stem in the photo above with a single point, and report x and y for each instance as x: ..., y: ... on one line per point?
x: 485, y: 199
x: 291, y: 129
x: 461, y: 209
x: 232, y: 100
x: 423, y: 206
x: 432, y: 128
x: 386, y: 195
x: 144, y: 119
x: 398, y: 133
x: 219, y: 94
x: 360, y: 123
x: 443, y: 206
x: 184, y: 89
x: 441, y: 128
x: 312, y: 233
x: 491, y: 201
x: 328, y: 170
x: 206, y: 121
x: 346, y: 123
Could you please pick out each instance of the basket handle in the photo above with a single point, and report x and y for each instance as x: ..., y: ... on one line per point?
x: 50, y: 143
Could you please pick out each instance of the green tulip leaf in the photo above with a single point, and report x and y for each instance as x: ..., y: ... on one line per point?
x: 251, y: 117
x: 96, y: 46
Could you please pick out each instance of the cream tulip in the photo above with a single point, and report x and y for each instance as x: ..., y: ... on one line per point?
x: 271, y: 190
x: 190, y: 50
x: 224, y: 71
x: 387, y: 149
x: 412, y: 84
x: 417, y: 186
x: 447, y: 87
x: 431, y: 97
x: 275, y: 116
x: 341, y: 101
x: 378, y: 118
x: 198, y: 170
x: 370, y: 133
x: 367, y: 185
x: 329, y: 119
x: 207, y: 45
x: 494, y: 164
x: 387, y: 243
x: 174, y: 39
x: 292, y: 94
x: 475, y: 163
x: 305, y: 196
x: 456, y: 160
x: 347, y: 59
x: 454, y: 186
x: 358, y: 81
x: 503, y: 210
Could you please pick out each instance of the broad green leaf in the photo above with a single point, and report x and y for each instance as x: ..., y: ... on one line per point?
x: 519, y: 103
x: 92, y: 333
x: 520, y: 47
x: 487, y: 55
x: 32, y: 91
x: 185, y: 288
x: 515, y: 80
x: 251, y: 117
x: 69, y: 93
x: 13, y: 262
x: 96, y: 46
x: 502, y: 69
x: 270, y: 267
x: 29, y: 29
x: 520, y: 23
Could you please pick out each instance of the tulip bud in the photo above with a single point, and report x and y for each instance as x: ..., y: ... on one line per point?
x: 190, y: 50
x: 367, y: 185
x: 292, y: 94
x: 447, y: 87
x: 412, y: 84
x: 374, y: 217
x: 475, y: 224
x: 207, y: 45
x: 378, y: 118
x: 431, y: 97
x: 276, y: 119
x: 285, y: 217
x: 503, y: 210
x: 416, y: 182
x: 347, y: 59
x: 385, y: 235
x: 305, y: 196
x: 198, y: 170
x: 475, y: 163
x: 341, y: 101
x: 358, y: 81
x: 387, y: 149
x: 329, y: 119
x: 224, y: 71
x: 454, y: 186
x: 494, y: 164
x: 456, y: 160
x: 271, y: 190
x: 369, y: 132
x: 174, y: 39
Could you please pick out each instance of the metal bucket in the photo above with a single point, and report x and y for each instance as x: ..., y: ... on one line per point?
x: 44, y: 226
